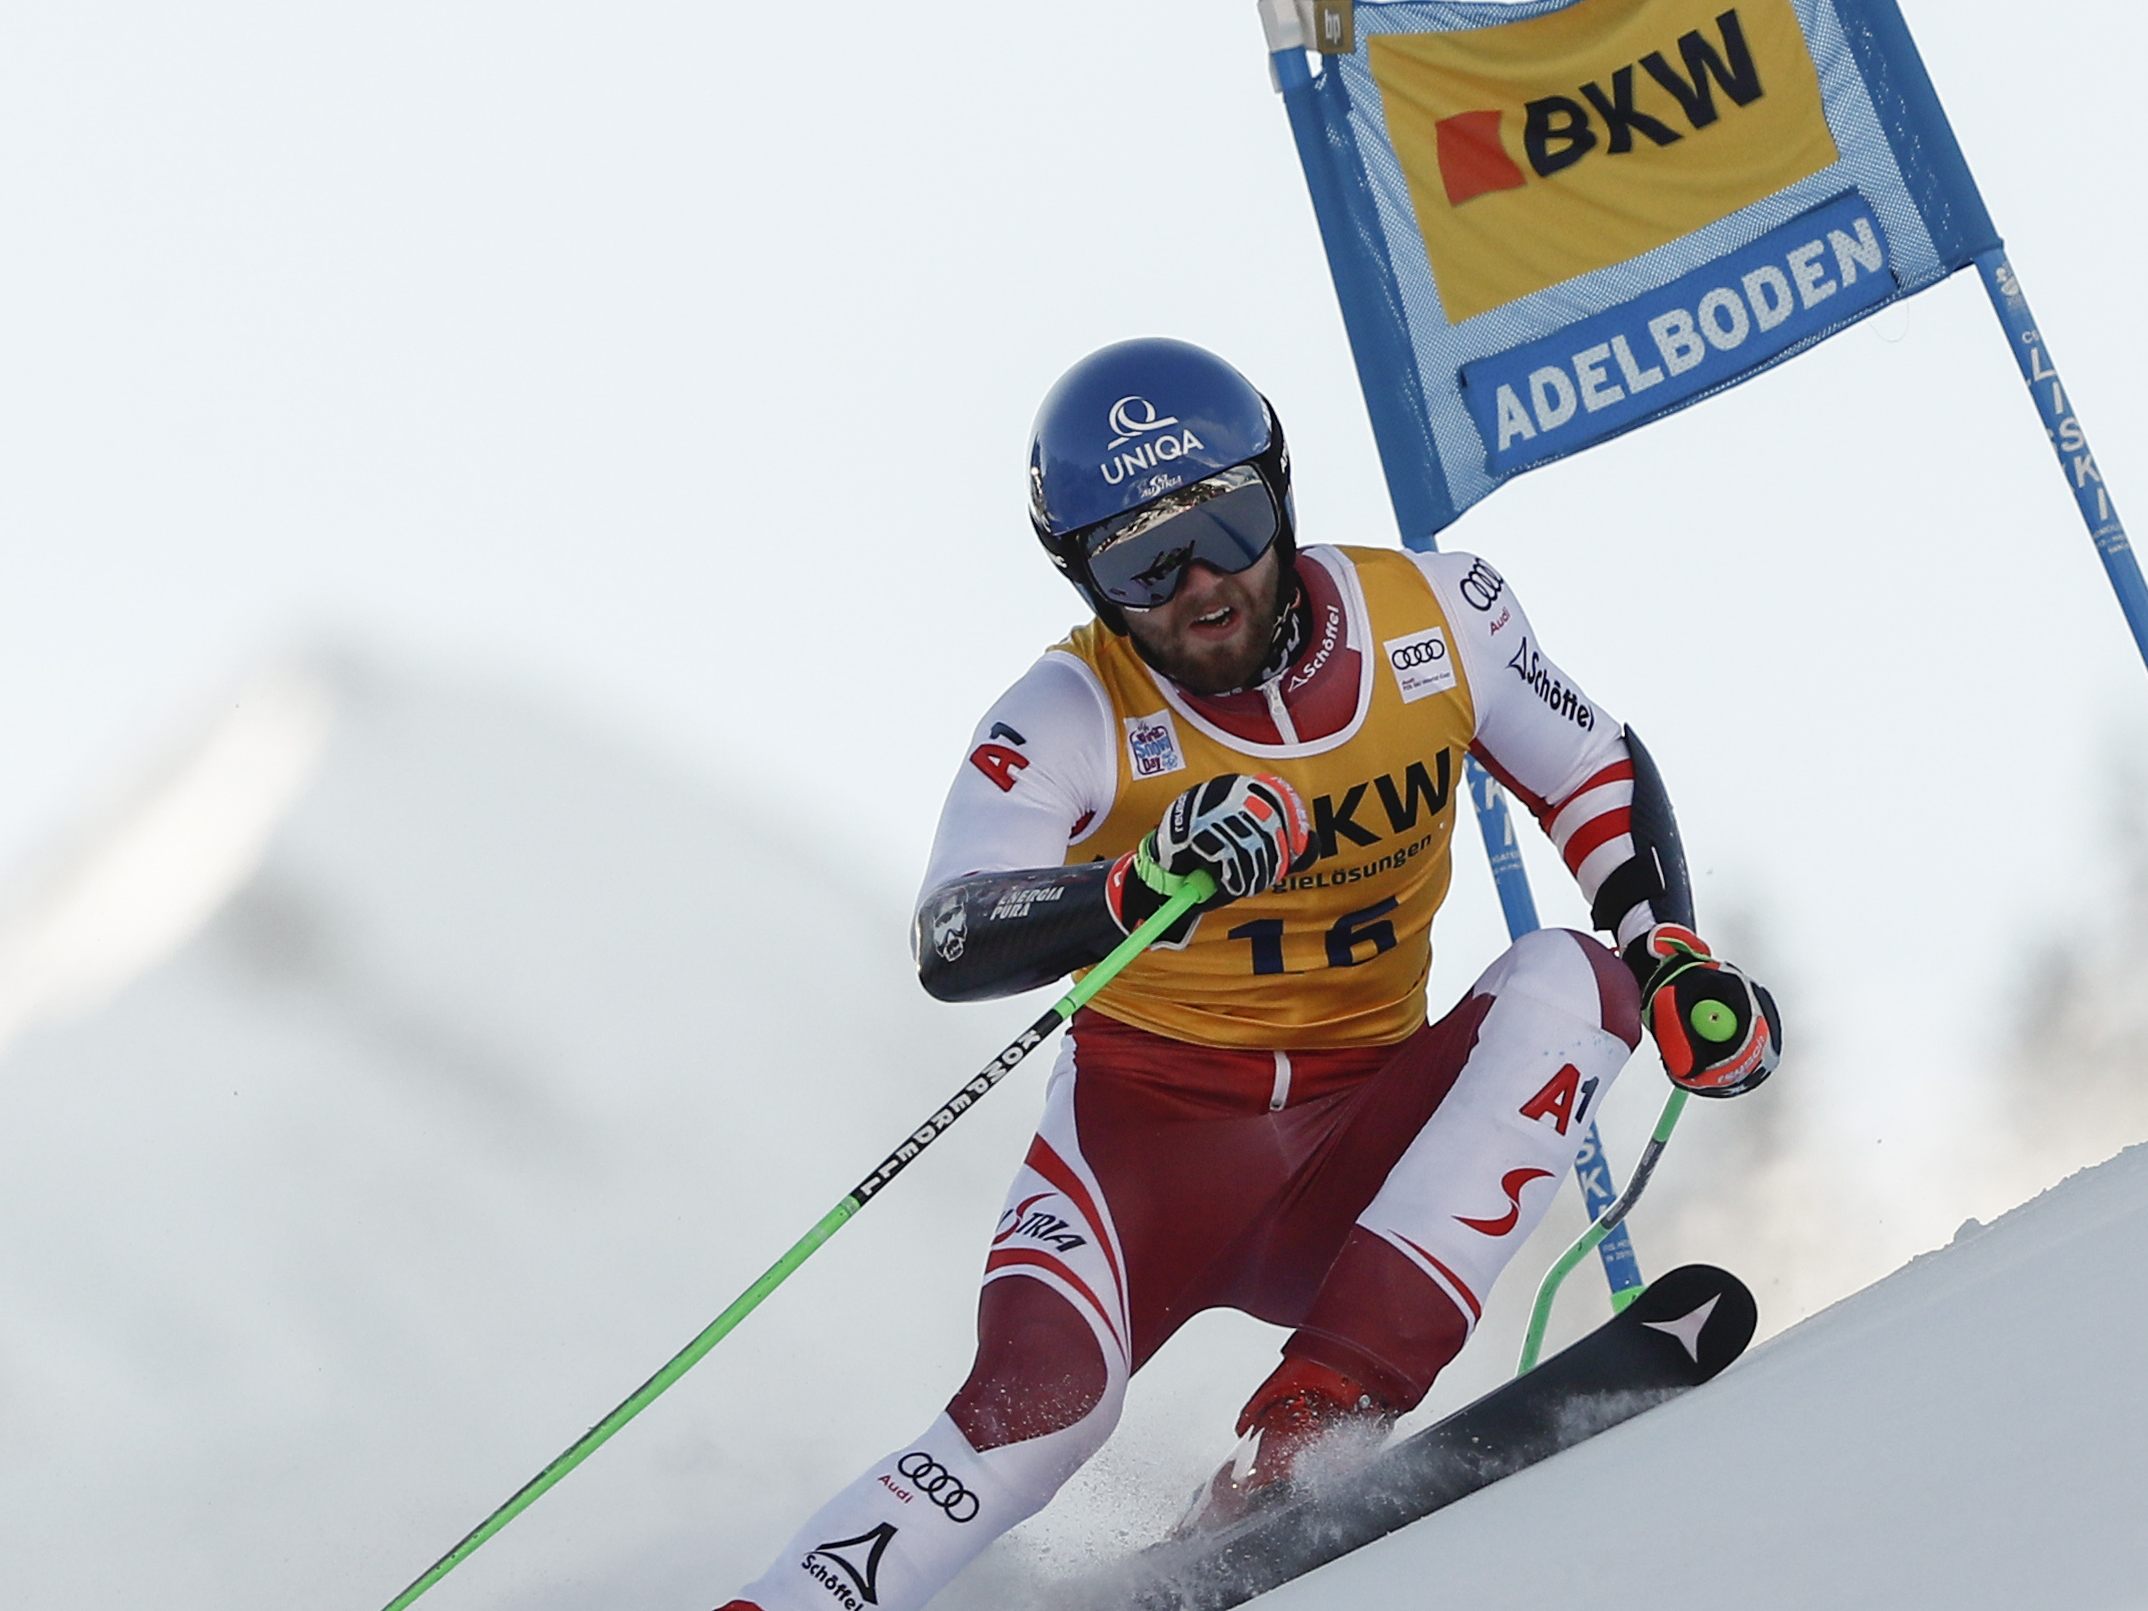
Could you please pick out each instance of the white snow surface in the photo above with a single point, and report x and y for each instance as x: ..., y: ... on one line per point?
x: 1971, y: 1432
x: 473, y: 1084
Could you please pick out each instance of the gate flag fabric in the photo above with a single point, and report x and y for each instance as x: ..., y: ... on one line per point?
x: 1550, y: 223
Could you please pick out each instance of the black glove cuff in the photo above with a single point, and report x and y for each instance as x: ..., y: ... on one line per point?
x: 1632, y: 881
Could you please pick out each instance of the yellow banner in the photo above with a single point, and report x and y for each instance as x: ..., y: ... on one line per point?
x: 1542, y: 149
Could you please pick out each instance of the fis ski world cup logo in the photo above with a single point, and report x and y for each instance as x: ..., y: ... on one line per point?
x: 1152, y: 745
x: 1546, y: 148
x: 1420, y: 663
x: 1143, y: 442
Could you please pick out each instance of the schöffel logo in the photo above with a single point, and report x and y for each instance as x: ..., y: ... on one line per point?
x: 1557, y: 131
x: 1561, y: 143
x: 1564, y: 699
x: 1330, y: 635
x: 857, y: 1560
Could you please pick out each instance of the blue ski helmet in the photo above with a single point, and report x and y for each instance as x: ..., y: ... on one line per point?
x: 1166, y: 427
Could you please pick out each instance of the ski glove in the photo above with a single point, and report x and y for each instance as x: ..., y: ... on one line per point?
x: 1245, y: 832
x: 1718, y: 1031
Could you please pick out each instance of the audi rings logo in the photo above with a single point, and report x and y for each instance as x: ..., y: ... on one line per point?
x: 1482, y: 586
x: 1135, y: 416
x: 938, y: 1484
x: 1421, y: 652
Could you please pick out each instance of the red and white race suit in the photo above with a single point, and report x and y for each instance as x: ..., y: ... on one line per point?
x: 1263, y: 1119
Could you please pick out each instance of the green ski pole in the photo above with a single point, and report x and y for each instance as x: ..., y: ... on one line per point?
x: 1606, y: 1222
x: 1198, y: 887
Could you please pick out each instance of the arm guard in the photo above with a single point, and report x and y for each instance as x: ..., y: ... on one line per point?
x: 1656, y: 872
x: 996, y: 934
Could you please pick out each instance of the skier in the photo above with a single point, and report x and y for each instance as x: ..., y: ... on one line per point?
x: 1256, y: 1114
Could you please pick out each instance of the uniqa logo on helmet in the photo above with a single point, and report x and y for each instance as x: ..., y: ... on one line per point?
x: 1136, y: 416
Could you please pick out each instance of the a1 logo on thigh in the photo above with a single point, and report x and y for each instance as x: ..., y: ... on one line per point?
x: 1564, y: 1099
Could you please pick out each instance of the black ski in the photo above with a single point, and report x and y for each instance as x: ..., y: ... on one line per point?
x: 1682, y: 1330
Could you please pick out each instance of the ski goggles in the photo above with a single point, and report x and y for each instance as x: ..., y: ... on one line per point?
x: 1226, y: 522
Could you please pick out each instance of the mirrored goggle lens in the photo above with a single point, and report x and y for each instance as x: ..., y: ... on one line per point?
x: 1226, y: 522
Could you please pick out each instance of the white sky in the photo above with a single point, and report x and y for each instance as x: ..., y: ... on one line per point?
x: 692, y: 383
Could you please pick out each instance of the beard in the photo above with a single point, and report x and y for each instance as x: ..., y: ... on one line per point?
x: 1239, y: 661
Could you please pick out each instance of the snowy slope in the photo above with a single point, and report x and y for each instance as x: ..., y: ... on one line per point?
x: 1971, y: 1432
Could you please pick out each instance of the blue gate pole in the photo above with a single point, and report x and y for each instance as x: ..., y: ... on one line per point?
x: 2068, y: 441
x: 1621, y: 1267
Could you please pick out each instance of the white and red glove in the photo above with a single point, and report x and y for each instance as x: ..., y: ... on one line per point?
x: 1718, y: 1031
x: 1244, y: 832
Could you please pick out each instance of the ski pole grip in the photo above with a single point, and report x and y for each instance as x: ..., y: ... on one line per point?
x: 1199, y: 885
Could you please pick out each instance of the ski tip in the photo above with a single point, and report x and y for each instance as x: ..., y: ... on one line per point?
x: 1705, y: 1312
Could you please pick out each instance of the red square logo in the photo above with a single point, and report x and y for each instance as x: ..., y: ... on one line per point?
x: 1472, y: 160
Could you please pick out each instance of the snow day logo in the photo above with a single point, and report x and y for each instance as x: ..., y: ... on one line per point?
x: 1152, y: 745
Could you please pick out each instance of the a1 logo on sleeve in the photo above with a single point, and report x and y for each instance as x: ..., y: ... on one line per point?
x: 996, y: 761
x: 1421, y: 663
x: 1152, y: 745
